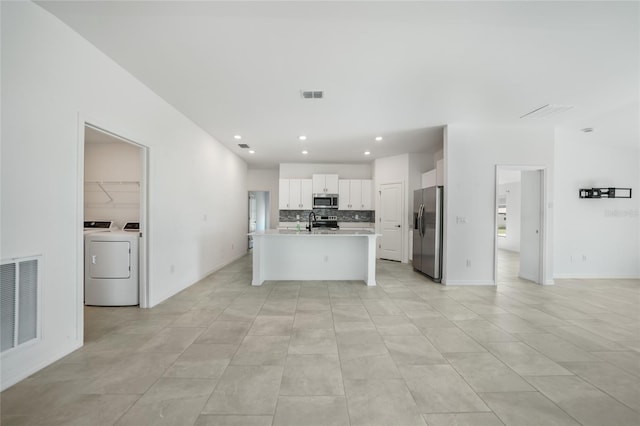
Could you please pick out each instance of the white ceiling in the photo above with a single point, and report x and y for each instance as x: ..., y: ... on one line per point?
x: 397, y: 69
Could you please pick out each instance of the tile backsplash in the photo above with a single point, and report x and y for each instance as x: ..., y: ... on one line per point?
x: 343, y: 215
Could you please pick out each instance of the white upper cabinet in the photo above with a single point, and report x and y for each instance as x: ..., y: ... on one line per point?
x: 306, y: 194
x: 283, y: 195
x: 355, y: 194
x: 344, y: 194
x: 332, y: 184
x: 325, y: 184
x: 295, y: 194
x: 367, y: 194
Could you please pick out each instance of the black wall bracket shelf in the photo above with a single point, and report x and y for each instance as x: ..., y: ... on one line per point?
x: 605, y: 193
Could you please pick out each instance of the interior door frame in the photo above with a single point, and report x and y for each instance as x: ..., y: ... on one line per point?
x: 404, y: 252
x: 143, y: 265
x: 542, y: 252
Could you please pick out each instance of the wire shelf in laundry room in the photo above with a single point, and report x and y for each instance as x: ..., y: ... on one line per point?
x: 112, y: 194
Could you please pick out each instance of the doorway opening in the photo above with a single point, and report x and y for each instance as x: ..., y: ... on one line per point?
x: 259, y: 217
x: 519, y: 225
x: 113, y: 193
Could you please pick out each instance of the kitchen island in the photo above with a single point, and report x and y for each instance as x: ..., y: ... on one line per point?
x: 284, y: 255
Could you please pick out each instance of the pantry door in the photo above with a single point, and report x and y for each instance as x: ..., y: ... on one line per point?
x: 390, y: 220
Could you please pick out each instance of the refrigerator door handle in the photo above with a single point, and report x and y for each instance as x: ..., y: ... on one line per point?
x: 421, y: 221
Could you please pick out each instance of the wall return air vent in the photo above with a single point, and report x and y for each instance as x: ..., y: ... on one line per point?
x: 312, y: 94
x: 243, y: 145
x: 546, y: 111
x: 19, y: 302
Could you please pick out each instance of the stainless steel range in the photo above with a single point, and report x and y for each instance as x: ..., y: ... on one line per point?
x: 330, y: 222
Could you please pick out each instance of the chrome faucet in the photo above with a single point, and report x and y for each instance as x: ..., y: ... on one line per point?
x: 314, y: 220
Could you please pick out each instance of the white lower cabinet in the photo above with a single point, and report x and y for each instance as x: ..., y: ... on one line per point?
x: 355, y: 194
x: 295, y: 194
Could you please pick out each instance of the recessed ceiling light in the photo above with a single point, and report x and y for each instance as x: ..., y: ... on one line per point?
x: 238, y: 137
x: 251, y: 151
x: 305, y: 152
x: 302, y: 137
x: 367, y: 152
x: 378, y: 138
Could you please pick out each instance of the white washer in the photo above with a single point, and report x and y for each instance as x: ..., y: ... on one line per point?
x: 111, y: 268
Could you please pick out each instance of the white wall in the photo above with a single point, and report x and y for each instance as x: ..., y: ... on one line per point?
x: 511, y: 191
x: 305, y: 170
x: 266, y: 180
x: 598, y: 237
x: 52, y: 79
x: 110, y: 163
x: 394, y: 169
x: 472, y: 153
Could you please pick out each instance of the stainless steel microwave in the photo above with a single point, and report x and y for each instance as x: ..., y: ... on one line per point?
x: 325, y: 201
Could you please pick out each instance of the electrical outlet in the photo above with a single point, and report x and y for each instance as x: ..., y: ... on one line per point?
x: 584, y: 257
x: 468, y: 263
x: 204, y: 217
x: 172, y: 268
x: 326, y: 258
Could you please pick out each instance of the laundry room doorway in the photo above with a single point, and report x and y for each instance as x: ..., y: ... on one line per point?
x: 114, y: 256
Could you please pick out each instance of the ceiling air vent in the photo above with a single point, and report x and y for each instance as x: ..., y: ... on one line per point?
x: 546, y: 111
x: 312, y: 94
x: 243, y: 145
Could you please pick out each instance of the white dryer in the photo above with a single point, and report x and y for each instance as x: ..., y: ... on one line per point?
x: 111, y: 268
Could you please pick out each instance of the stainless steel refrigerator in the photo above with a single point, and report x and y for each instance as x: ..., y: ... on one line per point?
x: 427, y: 232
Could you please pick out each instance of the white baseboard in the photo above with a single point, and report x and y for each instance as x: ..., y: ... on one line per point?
x: 595, y: 277
x: 10, y: 378
x: 200, y: 277
x: 527, y: 277
x: 217, y: 268
x: 469, y: 282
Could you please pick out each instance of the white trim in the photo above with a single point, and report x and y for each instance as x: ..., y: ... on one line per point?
x: 470, y: 282
x: 594, y: 277
x: 201, y: 277
x: 10, y: 378
x: 527, y: 277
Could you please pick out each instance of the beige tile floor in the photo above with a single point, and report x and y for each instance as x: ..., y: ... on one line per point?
x: 407, y: 352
